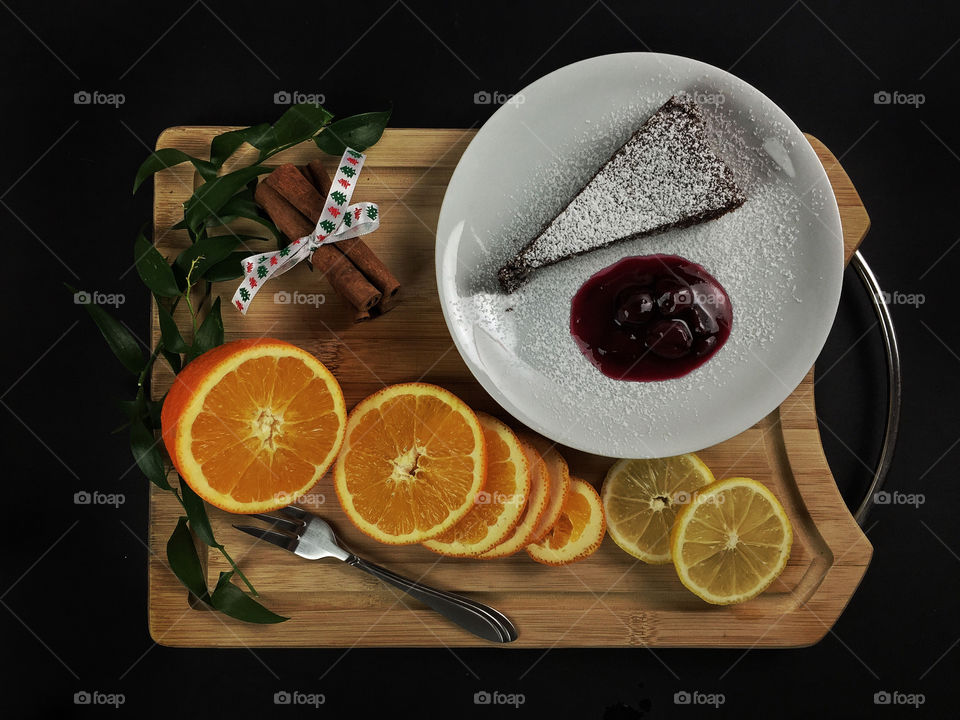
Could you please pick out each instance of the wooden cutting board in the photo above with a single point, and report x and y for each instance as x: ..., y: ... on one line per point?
x: 610, y: 599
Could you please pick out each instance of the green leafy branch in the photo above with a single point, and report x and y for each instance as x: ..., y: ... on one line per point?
x: 221, y: 199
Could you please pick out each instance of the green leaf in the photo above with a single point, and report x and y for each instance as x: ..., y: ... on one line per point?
x: 357, y: 131
x: 146, y: 451
x: 242, y: 205
x: 149, y: 409
x: 184, y: 561
x: 197, y: 513
x: 209, y: 334
x: 223, y: 146
x: 301, y: 122
x: 153, y: 269
x: 232, y: 601
x: 209, y: 250
x: 167, y: 158
x: 121, y: 341
x: 208, y: 199
x: 242, y: 239
x: 172, y: 339
x: 173, y: 359
x: 230, y: 268
x: 243, y: 213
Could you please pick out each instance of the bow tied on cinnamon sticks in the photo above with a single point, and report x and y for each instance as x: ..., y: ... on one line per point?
x: 314, y: 212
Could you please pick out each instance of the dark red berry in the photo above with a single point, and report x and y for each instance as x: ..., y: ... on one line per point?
x: 670, y: 339
x: 636, y: 309
x: 701, y: 321
x: 672, y: 296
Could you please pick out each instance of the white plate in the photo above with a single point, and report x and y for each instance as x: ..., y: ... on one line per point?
x: 780, y: 258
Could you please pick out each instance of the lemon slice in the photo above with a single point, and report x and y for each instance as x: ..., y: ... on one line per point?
x: 641, y: 499
x: 732, y: 541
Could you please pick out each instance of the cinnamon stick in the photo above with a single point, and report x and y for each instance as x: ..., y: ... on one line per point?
x: 345, y: 278
x: 319, y: 176
x: 355, y: 248
x: 363, y: 315
x: 284, y: 215
x: 370, y: 265
x: 342, y: 275
x: 296, y: 190
x: 305, y: 171
x: 384, y: 306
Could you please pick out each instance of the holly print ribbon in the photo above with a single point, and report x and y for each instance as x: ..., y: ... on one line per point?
x: 339, y: 221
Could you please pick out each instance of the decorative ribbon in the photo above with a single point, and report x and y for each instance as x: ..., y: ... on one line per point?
x: 339, y: 221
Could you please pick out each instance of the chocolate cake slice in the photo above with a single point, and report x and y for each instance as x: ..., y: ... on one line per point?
x: 666, y: 176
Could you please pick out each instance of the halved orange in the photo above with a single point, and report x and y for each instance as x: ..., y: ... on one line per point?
x: 500, y: 504
x: 558, y: 474
x: 536, y: 506
x: 253, y: 424
x: 578, y: 531
x: 412, y: 463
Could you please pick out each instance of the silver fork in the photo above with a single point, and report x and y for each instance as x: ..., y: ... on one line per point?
x: 311, y: 537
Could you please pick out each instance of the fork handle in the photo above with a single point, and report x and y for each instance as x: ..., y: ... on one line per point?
x: 482, y: 620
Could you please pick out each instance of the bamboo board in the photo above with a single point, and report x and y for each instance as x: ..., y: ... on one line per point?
x: 608, y: 600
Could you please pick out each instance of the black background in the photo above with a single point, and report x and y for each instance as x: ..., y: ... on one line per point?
x: 74, y: 604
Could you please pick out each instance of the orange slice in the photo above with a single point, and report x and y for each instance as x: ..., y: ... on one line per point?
x: 536, y: 505
x: 559, y: 482
x: 412, y: 463
x: 500, y: 504
x: 253, y: 424
x: 577, y: 533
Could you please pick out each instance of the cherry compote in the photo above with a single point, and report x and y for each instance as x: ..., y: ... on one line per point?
x: 654, y: 317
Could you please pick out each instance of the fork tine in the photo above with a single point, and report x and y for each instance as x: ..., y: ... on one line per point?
x: 295, y: 512
x: 281, y: 523
x: 279, y: 539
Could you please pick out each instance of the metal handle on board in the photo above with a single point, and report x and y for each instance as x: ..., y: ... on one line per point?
x: 894, y: 384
